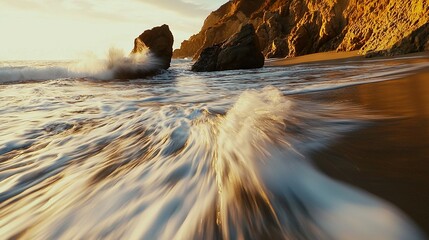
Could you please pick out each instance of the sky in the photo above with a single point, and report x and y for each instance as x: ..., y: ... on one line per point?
x: 68, y: 29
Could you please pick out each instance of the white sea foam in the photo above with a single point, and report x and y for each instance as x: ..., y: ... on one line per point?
x: 264, y: 179
x: 89, y: 66
x: 182, y: 171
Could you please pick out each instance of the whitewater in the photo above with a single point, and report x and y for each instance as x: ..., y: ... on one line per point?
x: 182, y: 155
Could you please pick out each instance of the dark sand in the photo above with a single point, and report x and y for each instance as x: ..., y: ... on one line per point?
x: 390, y: 157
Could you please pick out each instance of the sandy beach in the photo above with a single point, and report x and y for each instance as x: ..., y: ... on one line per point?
x: 390, y: 157
x: 319, y: 58
x: 338, y: 58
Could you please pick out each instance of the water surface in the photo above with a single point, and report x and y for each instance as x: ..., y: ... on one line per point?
x: 182, y: 155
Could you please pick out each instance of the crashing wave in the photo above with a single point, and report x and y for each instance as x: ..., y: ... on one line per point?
x: 117, y: 65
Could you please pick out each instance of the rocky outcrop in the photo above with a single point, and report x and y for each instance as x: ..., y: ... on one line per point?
x: 207, y: 62
x: 417, y: 41
x: 151, y: 54
x: 298, y: 27
x: 241, y: 51
x: 159, y: 41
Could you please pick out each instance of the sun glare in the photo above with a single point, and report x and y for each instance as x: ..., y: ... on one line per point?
x: 66, y: 30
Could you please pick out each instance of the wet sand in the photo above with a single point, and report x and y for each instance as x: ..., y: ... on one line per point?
x: 339, y: 58
x: 389, y: 157
x: 324, y: 57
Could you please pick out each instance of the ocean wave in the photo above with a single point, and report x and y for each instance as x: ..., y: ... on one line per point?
x: 116, y: 65
x: 188, y: 171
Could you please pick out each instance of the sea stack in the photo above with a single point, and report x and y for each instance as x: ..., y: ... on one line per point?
x: 151, y: 54
x: 159, y: 41
x: 240, y: 51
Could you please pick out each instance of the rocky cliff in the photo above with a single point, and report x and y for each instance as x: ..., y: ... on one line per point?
x: 299, y: 27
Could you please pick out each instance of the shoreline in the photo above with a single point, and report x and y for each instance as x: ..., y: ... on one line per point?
x: 323, y: 57
x: 339, y: 58
x: 389, y: 157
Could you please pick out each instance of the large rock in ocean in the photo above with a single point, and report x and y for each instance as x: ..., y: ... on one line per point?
x: 160, y: 41
x: 241, y: 51
x: 299, y: 27
x: 151, y: 54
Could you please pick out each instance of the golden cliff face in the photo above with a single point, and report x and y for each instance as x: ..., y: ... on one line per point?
x: 379, y: 25
x: 298, y: 27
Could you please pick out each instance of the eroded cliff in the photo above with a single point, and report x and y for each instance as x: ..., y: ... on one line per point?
x: 299, y: 27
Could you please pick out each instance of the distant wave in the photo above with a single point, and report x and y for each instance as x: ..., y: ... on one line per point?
x: 89, y: 67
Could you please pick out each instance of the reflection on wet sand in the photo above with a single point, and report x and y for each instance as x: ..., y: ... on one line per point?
x: 390, y: 156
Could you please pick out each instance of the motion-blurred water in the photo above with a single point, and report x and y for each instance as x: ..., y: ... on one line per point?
x: 182, y: 155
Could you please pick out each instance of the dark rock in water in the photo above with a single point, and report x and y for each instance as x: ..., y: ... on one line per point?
x: 241, y: 51
x: 128, y: 69
x: 158, y: 42
x: 208, y: 59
